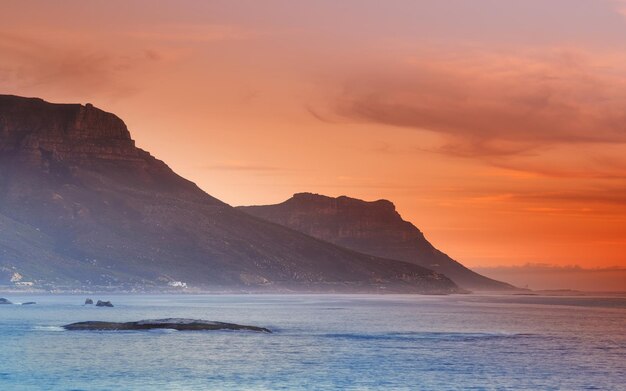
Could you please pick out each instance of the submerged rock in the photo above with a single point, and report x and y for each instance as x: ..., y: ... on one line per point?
x: 4, y: 301
x: 88, y: 301
x: 179, y: 324
x: 101, y: 303
x: 29, y: 303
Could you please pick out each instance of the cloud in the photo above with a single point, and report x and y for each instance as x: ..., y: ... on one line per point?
x: 490, y: 104
x: 543, y: 267
x: 605, y: 199
x: 574, y: 166
x: 34, y: 64
x: 621, y: 6
x: 95, y: 63
x: 603, y: 161
x: 242, y: 167
x: 194, y: 33
x: 319, y: 116
x: 509, y: 109
x: 613, y: 198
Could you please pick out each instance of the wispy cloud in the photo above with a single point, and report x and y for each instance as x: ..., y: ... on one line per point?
x: 539, y: 267
x: 34, y: 63
x: 611, y: 197
x: 498, y: 104
x: 117, y: 63
x: 194, y: 33
x: 621, y: 6
x: 241, y: 166
x: 510, y: 109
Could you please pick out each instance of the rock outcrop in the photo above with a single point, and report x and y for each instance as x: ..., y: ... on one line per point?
x: 88, y: 301
x: 101, y: 303
x: 179, y: 324
x: 80, y: 205
x: 374, y: 228
x: 75, y: 132
x: 4, y: 301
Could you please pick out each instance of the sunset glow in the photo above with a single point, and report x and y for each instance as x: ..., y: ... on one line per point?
x: 498, y: 127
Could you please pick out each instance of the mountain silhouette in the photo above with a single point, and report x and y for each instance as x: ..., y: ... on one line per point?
x: 82, y: 206
x: 374, y: 228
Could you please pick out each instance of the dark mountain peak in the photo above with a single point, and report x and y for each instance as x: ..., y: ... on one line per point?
x: 21, y: 117
x: 72, y: 144
x: 336, y: 218
x: 374, y: 228
x: 342, y: 203
x: 81, y: 205
x: 34, y: 127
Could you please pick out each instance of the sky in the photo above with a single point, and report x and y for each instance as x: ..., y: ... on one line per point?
x: 498, y: 127
x: 548, y: 277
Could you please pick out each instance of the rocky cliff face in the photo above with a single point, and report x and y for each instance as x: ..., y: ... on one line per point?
x: 81, y: 205
x: 373, y: 228
x: 40, y: 130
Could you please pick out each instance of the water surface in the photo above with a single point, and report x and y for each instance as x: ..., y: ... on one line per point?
x: 321, y: 342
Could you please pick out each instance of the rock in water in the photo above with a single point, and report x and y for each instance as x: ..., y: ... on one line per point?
x: 4, y: 301
x: 29, y: 303
x: 179, y: 324
x: 101, y: 303
x: 88, y: 301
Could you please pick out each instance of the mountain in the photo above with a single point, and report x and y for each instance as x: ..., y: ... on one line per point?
x: 374, y: 228
x: 81, y: 205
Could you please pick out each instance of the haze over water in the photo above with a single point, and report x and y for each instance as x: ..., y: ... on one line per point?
x: 320, y: 342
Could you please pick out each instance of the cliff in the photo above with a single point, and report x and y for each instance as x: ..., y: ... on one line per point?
x: 81, y: 205
x: 374, y: 228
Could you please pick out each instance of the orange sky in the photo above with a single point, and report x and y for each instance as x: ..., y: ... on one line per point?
x: 497, y: 126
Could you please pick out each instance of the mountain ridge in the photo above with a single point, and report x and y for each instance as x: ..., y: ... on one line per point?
x: 81, y: 205
x: 371, y: 227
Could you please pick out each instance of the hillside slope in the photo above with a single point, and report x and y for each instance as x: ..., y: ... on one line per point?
x: 374, y: 228
x: 81, y: 205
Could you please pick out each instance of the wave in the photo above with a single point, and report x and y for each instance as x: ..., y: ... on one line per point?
x: 162, y: 331
x: 427, y: 336
x: 48, y: 328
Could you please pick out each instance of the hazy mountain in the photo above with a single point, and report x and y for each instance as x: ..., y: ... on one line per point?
x: 80, y: 204
x: 373, y: 228
x: 553, y: 277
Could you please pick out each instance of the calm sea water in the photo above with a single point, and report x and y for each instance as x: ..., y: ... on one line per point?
x: 321, y: 342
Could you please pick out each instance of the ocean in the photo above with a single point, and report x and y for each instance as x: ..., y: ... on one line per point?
x: 319, y: 342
